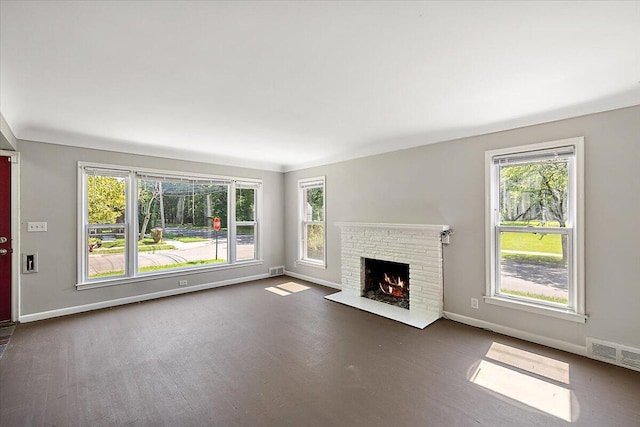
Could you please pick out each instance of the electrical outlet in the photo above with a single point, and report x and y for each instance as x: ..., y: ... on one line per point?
x: 474, y: 303
x: 182, y: 283
x: 36, y: 227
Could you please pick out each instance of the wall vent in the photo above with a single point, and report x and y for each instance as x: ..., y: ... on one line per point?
x: 614, y: 353
x: 631, y: 359
x: 276, y: 271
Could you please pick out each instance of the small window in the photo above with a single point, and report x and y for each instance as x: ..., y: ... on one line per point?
x: 534, y: 222
x: 312, y: 222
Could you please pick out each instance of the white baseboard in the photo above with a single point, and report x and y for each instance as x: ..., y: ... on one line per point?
x: 313, y: 280
x: 136, y: 298
x: 517, y: 333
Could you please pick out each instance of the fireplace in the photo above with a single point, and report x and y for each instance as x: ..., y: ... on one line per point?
x: 408, y: 254
x: 386, y: 281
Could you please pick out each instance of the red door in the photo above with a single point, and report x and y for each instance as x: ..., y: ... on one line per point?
x: 5, y: 238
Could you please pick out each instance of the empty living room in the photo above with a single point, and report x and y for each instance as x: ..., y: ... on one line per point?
x: 319, y: 213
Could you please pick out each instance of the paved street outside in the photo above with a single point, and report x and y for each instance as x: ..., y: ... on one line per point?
x: 535, y: 278
x: 183, y: 252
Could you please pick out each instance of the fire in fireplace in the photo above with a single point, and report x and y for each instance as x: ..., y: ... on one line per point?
x: 386, y: 281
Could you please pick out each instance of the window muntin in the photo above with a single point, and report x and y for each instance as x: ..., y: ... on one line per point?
x: 158, y: 222
x: 533, y: 217
x: 312, y: 223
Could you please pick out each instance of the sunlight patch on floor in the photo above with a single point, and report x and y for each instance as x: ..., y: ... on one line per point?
x: 539, y: 394
x: 528, y: 378
x: 293, y: 287
x: 287, y: 288
x: 530, y: 362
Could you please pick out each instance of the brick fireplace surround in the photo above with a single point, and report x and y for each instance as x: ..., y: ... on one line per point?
x: 418, y: 245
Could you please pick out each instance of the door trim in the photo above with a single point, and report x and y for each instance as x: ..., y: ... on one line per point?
x: 15, y: 232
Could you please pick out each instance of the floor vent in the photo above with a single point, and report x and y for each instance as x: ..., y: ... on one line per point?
x: 276, y: 271
x: 614, y: 353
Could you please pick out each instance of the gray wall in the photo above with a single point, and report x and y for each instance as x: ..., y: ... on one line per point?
x: 437, y: 184
x: 48, y: 176
x: 444, y: 184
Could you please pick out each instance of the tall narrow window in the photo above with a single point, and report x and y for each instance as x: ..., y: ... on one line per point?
x: 106, y: 225
x: 246, y: 224
x: 312, y: 222
x: 534, y: 229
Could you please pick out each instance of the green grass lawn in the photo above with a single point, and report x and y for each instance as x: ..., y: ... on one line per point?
x: 188, y: 239
x: 120, y: 243
x: 181, y: 264
x: 159, y: 267
x: 140, y: 249
x: 532, y: 242
x: 559, y: 300
x: 117, y: 246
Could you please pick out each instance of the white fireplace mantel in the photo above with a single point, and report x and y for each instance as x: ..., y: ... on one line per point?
x: 419, y: 245
x: 393, y: 226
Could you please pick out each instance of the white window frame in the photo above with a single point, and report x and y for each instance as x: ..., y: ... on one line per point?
x: 131, y: 175
x: 575, y: 311
x: 238, y: 185
x: 304, y: 184
x: 83, y: 223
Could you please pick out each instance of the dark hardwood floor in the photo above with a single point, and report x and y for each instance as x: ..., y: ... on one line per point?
x: 243, y: 356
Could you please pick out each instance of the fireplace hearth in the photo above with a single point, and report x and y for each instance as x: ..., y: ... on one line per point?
x: 386, y: 281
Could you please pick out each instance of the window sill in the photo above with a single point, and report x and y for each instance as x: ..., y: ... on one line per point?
x: 308, y: 263
x: 557, y: 313
x: 162, y: 275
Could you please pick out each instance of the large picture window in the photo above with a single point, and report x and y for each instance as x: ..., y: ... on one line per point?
x: 534, y: 227
x: 175, y: 219
x: 312, y: 235
x: 137, y: 223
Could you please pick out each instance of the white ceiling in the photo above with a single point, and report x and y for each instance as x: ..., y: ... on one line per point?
x: 284, y: 85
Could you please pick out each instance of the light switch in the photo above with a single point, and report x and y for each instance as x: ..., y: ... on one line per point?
x: 36, y: 226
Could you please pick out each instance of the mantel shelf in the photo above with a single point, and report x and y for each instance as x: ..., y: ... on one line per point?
x: 393, y: 226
